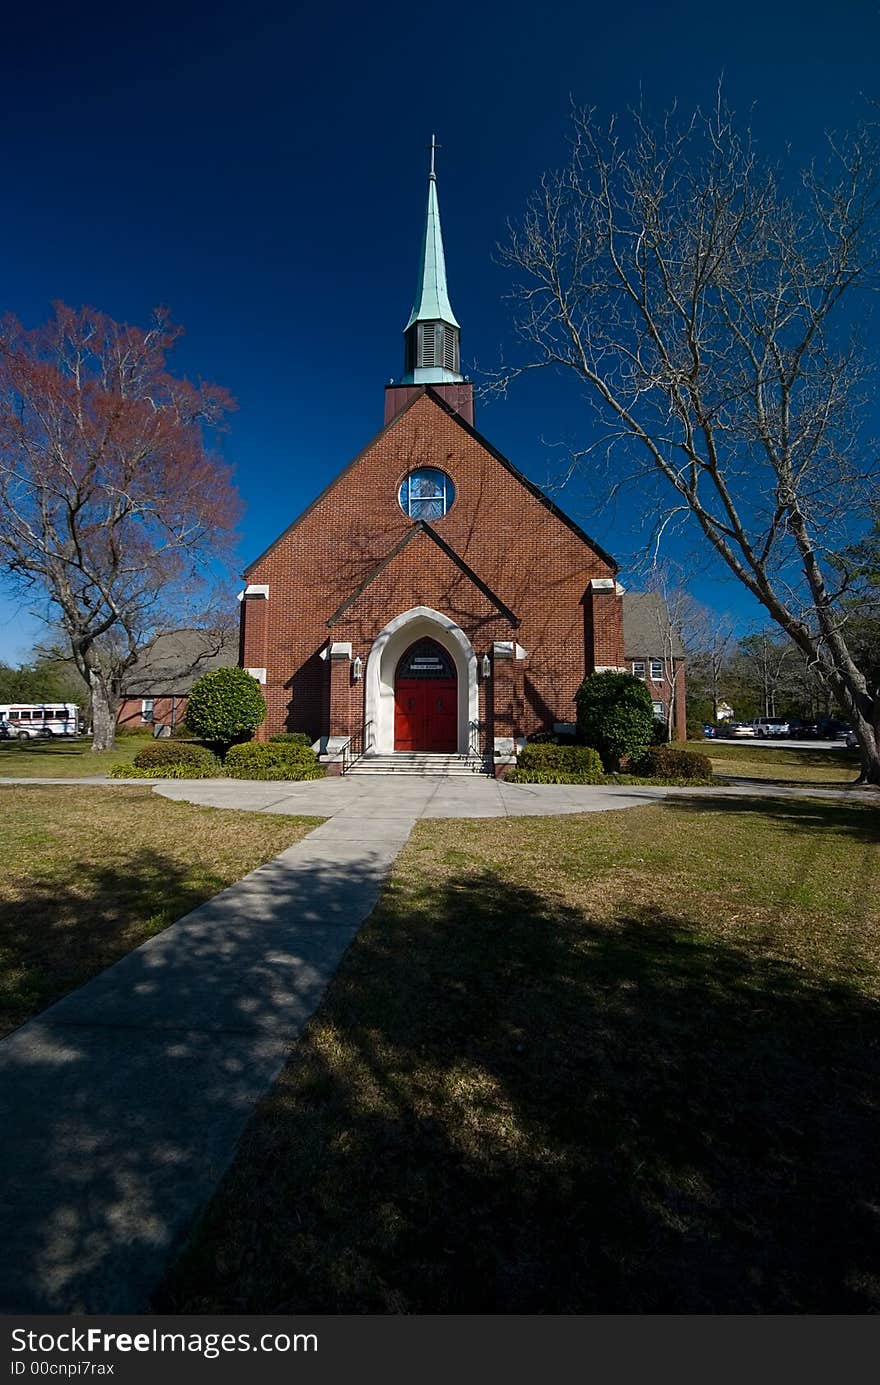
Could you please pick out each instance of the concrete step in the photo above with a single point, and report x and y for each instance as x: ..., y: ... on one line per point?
x: 420, y: 765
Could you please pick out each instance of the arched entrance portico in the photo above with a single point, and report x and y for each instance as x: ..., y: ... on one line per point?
x: 389, y: 646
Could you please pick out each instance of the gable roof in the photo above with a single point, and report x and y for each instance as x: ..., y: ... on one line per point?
x: 478, y: 437
x: 173, y: 661
x: 645, y: 623
x: 421, y: 527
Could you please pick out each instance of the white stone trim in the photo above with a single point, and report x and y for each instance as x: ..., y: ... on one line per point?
x: 610, y: 668
x: 342, y: 650
x: 519, y: 652
x: 503, y: 649
x: 255, y: 589
x: 258, y: 673
x: 603, y: 584
x: 389, y: 645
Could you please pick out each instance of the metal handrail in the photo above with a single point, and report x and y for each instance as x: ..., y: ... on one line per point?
x: 475, y: 749
x: 357, y: 745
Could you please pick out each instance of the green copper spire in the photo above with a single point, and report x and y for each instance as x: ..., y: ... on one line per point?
x: 432, y: 333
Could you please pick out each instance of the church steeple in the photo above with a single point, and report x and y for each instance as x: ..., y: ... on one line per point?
x: 431, y: 336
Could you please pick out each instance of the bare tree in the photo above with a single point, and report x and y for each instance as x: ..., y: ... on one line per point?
x: 710, y: 658
x: 683, y: 628
x: 110, y: 504
x: 706, y: 309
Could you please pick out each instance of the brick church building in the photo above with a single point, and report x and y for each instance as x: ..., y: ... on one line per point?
x: 432, y: 599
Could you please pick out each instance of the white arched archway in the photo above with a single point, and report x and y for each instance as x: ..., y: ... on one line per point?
x: 419, y: 623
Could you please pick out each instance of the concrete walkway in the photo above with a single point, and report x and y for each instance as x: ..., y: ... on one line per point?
x: 122, y: 1105
x: 372, y: 796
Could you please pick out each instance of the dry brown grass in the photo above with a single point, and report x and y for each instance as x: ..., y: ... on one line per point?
x: 89, y: 873
x: 781, y: 765
x: 621, y: 1063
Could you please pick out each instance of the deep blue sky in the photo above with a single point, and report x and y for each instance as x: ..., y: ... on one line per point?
x: 261, y: 170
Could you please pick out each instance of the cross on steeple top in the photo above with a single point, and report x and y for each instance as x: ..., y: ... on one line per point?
x: 434, y: 146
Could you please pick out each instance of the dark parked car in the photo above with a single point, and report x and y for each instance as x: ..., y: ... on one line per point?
x: 803, y: 730
x: 710, y: 731
x: 6, y: 731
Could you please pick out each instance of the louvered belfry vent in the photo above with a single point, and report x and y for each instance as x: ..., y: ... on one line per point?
x: 432, y: 346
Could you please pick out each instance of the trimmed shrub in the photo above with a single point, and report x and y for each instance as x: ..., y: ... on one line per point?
x: 178, y: 771
x: 549, y: 776
x: 160, y: 753
x: 615, y: 715
x: 695, y: 731
x: 292, y: 738
x: 225, y: 705
x: 671, y: 762
x: 579, y: 760
x: 268, y: 760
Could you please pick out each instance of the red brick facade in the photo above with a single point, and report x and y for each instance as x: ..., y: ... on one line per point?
x: 511, y: 578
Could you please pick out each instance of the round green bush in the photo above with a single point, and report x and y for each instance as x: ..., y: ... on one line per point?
x: 292, y: 738
x: 163, y: 752
x: 271, y: 760
x: 615, y: 715
x: 225, y: 705
x: 673, y: 762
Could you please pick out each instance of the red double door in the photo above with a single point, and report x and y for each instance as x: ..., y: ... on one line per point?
x: 426, y: 700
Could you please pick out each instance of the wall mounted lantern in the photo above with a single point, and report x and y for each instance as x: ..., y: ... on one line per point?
x: 487, y: 666
x: 357, y: 669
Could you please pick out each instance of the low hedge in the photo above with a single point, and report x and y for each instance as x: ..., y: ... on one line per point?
x: 165, y: 752
x: 672, y: 762
x: 578, y: 760
x: 292, y: 738
x: 549, y: 776
x: 272, y: 760
x: 178, y: 771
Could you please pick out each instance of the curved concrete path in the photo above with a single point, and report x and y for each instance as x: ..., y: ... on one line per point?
x: 377, y: 797
x: 123, y: 1103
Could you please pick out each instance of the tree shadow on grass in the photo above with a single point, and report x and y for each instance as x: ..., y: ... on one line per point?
x: 507, y: 1106
x: 127, y: 1097
x: 860, y: 820
x: 61, y: 932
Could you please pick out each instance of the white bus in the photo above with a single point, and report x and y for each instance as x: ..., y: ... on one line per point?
x: 27, y: 720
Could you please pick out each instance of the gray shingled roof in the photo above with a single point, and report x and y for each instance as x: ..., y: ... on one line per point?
x: 173, y: 662
x: 645, y: 622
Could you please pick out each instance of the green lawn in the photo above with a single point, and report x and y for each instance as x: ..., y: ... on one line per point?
x: 619, y: 1063
x: 90, y: 873
x: 64, y: 759
x: 781, y: 765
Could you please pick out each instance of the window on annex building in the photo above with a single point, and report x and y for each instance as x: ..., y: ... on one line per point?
x: 657, y: 708
x: 426, y: 494
x: 656, y: 670
x: 147, y: 709
x: 638, y: 668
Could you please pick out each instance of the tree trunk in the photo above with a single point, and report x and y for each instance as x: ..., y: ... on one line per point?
x: 103, y: 713
x: 869, y: 750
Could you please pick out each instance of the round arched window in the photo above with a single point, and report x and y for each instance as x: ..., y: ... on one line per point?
x: 426, y: 494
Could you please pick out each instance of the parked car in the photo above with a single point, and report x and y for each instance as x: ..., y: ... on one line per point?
x: 770, y: 726
x: 710, y: 731
x: 6, y: 732
x: 851, y: 740
x: 803, y: 730
x: 741, y: 730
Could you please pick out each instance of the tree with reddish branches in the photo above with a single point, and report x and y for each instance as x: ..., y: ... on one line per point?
x: 111, y: 503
